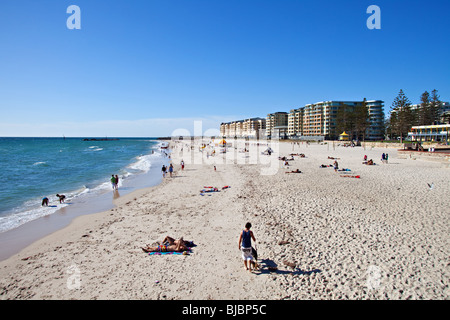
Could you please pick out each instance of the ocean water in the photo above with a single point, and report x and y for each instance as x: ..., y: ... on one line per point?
x: 33, y: 168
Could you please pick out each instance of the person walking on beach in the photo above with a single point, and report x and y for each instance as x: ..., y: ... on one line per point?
x: 245, y: 245
x: 386, y: 158
x: 182, y: 165
x: 171, y: 170
x: 163, y: 171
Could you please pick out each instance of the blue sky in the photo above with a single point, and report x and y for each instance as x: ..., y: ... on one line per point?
x: 146, y: 68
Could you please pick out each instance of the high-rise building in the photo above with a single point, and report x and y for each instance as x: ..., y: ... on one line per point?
x: 277, y: 125
x: 295, y: 122
x: 314, y: 121
x: 320, y: 119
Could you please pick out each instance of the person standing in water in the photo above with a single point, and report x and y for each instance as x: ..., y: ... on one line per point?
x: 61, y: 198
x: 245, y: 245
x: 117, y: 182
x: 113, y: 181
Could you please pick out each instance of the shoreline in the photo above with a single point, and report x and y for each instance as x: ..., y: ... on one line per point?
x: 319, y: 232
x: 17, y: 239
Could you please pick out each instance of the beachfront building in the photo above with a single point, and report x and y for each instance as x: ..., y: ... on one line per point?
x: 376, y: 119
x: 255, y: 128
x: 320, y: 119
x: 249, y: 128
x: 317, y: 121
x: 434, y: 133
x: 295, y: 123
x: 277, y: 125
x: 443, y: 112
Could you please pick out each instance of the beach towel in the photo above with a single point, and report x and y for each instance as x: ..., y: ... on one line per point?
x: 167, y: 253
x: 173, y: 253
x: 348, y: 176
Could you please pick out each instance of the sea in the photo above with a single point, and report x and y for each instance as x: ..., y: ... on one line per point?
x: 79, y: 168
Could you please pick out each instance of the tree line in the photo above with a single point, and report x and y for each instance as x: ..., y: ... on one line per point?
x: 403, y: 117
x: 355, y: 119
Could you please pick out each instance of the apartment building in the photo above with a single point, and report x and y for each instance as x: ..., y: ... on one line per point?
x: 376, y: 114
x: 444, y: 111
x: 277, y: 125
x: 315, y: 121
x: 295, y: 122
x: 251, y: 128
x: 319, y: 119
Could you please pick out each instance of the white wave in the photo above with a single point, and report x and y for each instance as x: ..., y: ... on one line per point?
x: 32, y: 209
x: 143, y: 163
x: 17, y: 219
x: 39, y: 163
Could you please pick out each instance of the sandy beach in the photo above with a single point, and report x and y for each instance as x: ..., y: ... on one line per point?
x: 320, y: 234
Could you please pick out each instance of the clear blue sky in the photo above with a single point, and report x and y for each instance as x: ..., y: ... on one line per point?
x: 146, y: 68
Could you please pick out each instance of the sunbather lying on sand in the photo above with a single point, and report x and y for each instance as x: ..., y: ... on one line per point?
x: 301, y: 155
x: 211, y: 189
x: 369, y: 163
x: 171, y: 241
x: 294, y: 171
x: 174, y: 247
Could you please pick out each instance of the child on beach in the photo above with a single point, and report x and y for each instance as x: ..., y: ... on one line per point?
x: 245, y: 245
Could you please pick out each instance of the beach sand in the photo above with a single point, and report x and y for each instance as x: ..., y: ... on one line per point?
x: 384, y: 235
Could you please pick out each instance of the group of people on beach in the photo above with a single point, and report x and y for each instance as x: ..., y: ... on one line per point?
x: 248, y: 253
x: 169, y: 169
x: 61, y: 198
